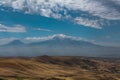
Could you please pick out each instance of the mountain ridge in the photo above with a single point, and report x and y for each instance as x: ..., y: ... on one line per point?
x: 56, y: 38
x: 61, y: 45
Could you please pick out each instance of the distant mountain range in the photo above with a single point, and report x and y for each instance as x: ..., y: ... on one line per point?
x: 58, y: 45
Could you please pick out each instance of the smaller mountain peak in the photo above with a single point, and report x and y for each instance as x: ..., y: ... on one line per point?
x: 16, y: 42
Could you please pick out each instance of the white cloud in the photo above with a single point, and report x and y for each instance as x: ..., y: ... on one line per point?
x: 53, y: 8
x: 15, y: 29
x: 88, y: 22
x: 35, y: 39
x: 60, y: 36
x: 41, y: 29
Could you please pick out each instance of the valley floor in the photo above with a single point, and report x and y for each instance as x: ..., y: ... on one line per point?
x: 59, y: 68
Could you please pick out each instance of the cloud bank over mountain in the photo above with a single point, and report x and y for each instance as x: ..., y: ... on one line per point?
x: 101, y: 10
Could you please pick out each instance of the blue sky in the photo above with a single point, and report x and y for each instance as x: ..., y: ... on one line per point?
x: 93, y: 20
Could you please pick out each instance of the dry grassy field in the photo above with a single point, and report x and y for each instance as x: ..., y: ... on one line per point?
x: 59, y: 68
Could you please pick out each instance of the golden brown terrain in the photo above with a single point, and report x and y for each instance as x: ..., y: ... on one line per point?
x: 59, y: 68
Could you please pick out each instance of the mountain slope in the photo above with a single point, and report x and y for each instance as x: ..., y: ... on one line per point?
x: 14, y: 43
x: 58, y: 45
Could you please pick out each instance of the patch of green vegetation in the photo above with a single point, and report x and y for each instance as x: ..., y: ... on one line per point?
x: 2, y: 79
x: 20, y: 79
x: 83, y: 79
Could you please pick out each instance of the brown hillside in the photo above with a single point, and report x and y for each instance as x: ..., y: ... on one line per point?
x: 59, y: 68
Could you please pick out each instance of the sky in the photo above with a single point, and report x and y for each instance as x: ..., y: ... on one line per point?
x: 93, y: 20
